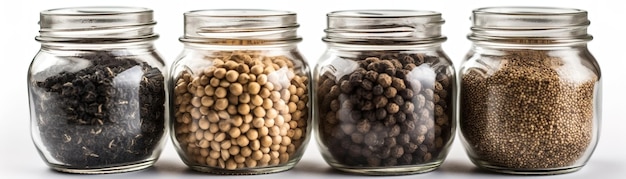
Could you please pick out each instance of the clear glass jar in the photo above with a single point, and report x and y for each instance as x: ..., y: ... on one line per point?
x: 240, y: 91
x: 384, y: 102
x: 97, y: 90
x: 530, y: 91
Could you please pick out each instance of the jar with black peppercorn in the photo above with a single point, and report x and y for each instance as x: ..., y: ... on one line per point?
x: 530, y: 91
x: 97, y: 90
x: 384, y: 92
x: 240, y: 91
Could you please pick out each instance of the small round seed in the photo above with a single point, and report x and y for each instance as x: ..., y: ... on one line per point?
x: 254, y: 88
x: 232, y: 75
x: 236, y: 89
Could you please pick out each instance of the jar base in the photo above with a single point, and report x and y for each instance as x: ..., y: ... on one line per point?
x: 245, y: 171
x: 106, y: 170
x: 513, y: 171
x: 382, y: 171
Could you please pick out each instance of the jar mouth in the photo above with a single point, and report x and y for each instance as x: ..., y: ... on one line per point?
x: 384, y: 27
x: 105, y: 24
x: 250, y: 13
x: 383, y: 13
x: 95, y: 10
x: 528, y: 25
x: 240, y: 27
x: 528, y: 10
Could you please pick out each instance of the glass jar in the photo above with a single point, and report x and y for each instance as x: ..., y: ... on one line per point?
x: 97, y: 90
x: 384, y: 101
x: 530, y: 91
x: 240, y: 91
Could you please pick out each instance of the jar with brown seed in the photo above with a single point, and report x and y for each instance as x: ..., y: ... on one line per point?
x: 384, y: 90
x: 530, y: 91
x: 240, y: 92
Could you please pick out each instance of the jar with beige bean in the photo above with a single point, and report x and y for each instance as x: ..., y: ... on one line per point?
x: 240, y: 102
x: 384, y: 100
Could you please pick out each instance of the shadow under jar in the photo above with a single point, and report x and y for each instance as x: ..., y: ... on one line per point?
x: 530, y: 91
x: 384, y: 100
x: 97, y: 90
x: 240, y: 92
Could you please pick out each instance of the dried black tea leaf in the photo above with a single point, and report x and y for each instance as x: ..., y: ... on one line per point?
x: 107, y: 112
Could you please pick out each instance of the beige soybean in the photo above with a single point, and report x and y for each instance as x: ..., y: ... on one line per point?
x: 235, y: 114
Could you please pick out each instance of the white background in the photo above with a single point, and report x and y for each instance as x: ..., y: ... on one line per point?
x: 19, y: 158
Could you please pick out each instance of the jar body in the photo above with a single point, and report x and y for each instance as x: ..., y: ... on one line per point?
x: 98, y: 108
x: 385, y: 112
x: 530, y: 91
x: 384, y: 92
x: 530, y: 110
x: 240, y: 109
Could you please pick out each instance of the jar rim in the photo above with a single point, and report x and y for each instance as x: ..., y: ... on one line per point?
x: 528, y: 10
x: 95, y: 10
x: 383, y: 13
x: 230, y: 13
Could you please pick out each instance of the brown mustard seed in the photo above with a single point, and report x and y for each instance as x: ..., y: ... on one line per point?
x: 526, y: 114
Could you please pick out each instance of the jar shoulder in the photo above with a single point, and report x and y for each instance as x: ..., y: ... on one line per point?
x: 565, y: 61
x: 50, y: 62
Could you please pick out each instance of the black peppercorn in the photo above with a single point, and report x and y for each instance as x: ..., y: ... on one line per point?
x: 378, y: 90
x: 346, y: 87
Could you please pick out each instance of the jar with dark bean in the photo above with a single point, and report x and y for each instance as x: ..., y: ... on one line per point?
x: 384, y: 103
x: 240, y: 103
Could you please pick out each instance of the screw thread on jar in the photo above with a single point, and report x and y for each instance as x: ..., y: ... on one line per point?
x: 240, y: 27
x: 100, y: 24
x: 529, y: 25
x: 402, y: 27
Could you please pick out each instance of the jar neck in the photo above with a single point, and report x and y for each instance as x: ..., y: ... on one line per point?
x: 230, y: 47
x: 240, y: 27
x: 102, y: 25
x: 383, y: 47
x: 384, y: 27
x: 499, y: 48
x: 138, y: 45
x: 528, y: 45
x: 530, y: 26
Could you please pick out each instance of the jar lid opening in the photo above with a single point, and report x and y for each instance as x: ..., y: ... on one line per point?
x: 248, y: 13
x: 382, y: 13
x: 95, y: 10
x: 528, y: 10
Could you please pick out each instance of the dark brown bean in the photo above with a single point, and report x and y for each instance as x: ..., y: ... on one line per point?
x: 377, y: 109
